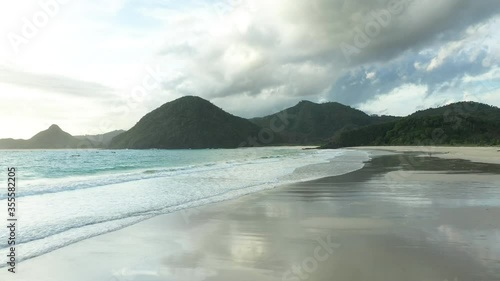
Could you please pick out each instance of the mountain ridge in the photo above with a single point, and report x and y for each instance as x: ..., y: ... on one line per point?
x: 52, y: 138
x: 308, y: 122
x: 193, y: 122
x: 189, y: 122
x: 461, y: 123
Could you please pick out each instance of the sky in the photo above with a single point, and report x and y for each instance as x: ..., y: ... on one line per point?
x: 96, y: 66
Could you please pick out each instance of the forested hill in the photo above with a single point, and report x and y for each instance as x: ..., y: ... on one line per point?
x: 312, y: 123
x: 188, y: 122
x: 463, y: 123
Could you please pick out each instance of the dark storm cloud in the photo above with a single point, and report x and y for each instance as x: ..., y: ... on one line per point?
x: 355, y: 88
x: 297, y: 49
x: 422, y: 24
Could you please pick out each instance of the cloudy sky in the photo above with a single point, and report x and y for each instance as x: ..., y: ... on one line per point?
x: 94, y: 66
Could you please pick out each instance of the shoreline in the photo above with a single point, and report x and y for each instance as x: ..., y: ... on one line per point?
x: 262, y: 236
x: 230, y: 194
x: 488, y: 154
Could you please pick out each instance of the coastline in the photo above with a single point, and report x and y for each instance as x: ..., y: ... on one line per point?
x: 331, y: 227
x: 486, y: 154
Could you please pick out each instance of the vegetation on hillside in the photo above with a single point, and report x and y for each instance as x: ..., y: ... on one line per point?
x: 188, y: 122
x: 312, y: 123
x: 192, y: 122
x: 464, y: 123
x: 52, y: 138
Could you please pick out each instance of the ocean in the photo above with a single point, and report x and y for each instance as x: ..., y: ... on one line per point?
x: 65, y: 196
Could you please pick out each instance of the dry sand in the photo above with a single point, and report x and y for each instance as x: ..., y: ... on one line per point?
x: 401, y: 217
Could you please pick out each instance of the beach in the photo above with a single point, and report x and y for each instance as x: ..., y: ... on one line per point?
x: 410, y: 213
x: 473, y: 153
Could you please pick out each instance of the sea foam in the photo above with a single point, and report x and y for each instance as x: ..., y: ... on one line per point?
x: 61, y: 211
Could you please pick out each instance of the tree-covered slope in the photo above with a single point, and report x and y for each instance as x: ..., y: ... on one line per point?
x: 101, y: 140
x: 188, y: 122
x: 463, y: 109
x: 13, y: 144
x: 464, y: 123
x: 310, y: 123
x: 52, y: 138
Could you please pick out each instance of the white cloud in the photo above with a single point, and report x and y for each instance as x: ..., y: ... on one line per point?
x: 237, y: 53
x: 371, y: 75
x: 404, y: 101
x: 492, y: 74
x: 444, y: 53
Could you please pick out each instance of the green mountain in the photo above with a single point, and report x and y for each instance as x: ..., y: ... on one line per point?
x: 312, y: 123
x: 463, y: 123
x: 101, y: 140
x: 188, y: 122
x: 52, y: 138
x: 192, y: 122
x: 462, y: 109
x: 13, y: 144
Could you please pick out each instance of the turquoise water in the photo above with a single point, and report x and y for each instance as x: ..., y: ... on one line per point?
x: 37, y: 164
x: 65, y: 196
x: 61, y: 170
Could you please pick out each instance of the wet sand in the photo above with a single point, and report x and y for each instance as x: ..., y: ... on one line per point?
x: 489, y: 154
x: 401, y: 217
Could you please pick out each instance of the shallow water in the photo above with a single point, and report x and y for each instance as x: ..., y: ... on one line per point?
x: 397, y: 218
x: 65, y: 196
